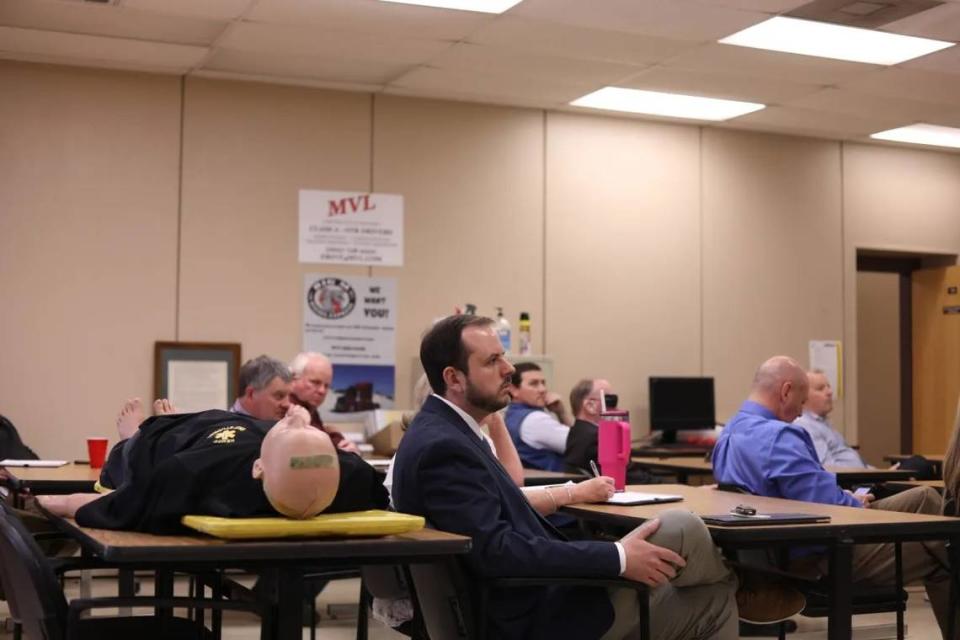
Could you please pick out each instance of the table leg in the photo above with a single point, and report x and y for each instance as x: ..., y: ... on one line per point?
x: 841, y: 579
x: 126, y: 588
x: 163, y: 588
x: 86, y: 583
x: 953, y: 553
x: 289, y: 603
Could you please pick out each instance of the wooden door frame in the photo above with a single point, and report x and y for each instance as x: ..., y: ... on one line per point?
x: 903, y: 266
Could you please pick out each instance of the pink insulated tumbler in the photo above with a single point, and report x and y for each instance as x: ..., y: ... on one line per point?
x: 614, y: 446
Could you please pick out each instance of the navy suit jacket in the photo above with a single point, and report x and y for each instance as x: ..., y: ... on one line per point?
x: 449, y: 476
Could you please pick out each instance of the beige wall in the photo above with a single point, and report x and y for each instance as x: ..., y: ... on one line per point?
x: 88, y: 245
x: 623, y: 253
x: 893, y: 199
x: 639, y: 248
x: 247, y: 150
x: 471, y: 177
x: 878, y: 360
x: 771, y: 253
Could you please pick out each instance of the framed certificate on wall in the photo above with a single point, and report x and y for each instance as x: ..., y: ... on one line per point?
x: 196, y: 376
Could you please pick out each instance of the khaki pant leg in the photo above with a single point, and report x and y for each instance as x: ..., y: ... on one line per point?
x: 699, y: 603
x: 875, y: 564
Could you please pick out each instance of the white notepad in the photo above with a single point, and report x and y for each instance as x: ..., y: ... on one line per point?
x: 32, y: 463
x: 630, y: 498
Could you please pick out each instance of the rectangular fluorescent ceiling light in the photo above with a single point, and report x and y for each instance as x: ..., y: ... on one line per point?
x: 808, y: 38
x: 481, y: 6
x: 923, y: 134
x: 673, y: 105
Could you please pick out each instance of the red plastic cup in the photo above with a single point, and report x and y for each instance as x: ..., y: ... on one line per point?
x: 97, y: 450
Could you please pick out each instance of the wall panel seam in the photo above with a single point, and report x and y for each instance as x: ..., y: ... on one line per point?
x: 179, y: 258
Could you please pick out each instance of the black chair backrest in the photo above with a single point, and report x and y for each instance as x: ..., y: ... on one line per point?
x: 11, y: 446
x: 445, y: 601
x: 41, y: 607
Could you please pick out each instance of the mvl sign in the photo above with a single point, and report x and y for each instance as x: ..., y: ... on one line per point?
x: 353, y: 204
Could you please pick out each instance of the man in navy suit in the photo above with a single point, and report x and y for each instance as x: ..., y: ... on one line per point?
x: 446, y: 473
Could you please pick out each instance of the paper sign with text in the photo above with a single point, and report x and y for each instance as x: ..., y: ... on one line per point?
x: 351, y: 227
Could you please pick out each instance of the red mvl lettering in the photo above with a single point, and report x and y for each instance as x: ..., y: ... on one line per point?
x: 358, y: 203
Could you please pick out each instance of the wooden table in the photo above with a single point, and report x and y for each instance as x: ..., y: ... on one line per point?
x: 903, y: 485
x: 290, y: 558
x: 670, y: 452
x: 847, y: 526
x: 848, y: 476
x: 683, y: 468
x: 70, y: 478
x: 539, y: 477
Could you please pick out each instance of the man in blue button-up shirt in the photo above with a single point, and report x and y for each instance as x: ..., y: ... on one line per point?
x: 762, y: 452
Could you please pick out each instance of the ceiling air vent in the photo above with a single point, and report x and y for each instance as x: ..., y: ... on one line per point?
x: 866, y: 14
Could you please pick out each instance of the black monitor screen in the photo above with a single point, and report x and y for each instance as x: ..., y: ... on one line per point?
x: 681, y: 403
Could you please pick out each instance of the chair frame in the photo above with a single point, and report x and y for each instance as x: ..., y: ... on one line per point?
x: 470, y: 598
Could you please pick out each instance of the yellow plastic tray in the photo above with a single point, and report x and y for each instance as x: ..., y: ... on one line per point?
x: 356, y: 523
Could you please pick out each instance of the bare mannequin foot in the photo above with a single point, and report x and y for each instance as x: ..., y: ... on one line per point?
x: 163, y: 407
x: 130, y: 417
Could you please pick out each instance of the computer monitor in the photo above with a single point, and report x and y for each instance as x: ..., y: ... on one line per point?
x: 680, y: 403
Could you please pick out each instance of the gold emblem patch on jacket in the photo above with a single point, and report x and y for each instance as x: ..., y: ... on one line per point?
x: 226, y: 435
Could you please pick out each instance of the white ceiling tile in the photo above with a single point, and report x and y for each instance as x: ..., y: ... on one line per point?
x: 337, y: 45
x: 946, y: 61
x: 520, y: 64
x: 107, y: 20
x: 217, y: 9
x: 813, y: 123
x: 291, y: 81
x: 720, y: 85
x: 914, y: 84
x: 939, y: 23
x: 763, y: 6
x: 860, y: 104
x: 98, y: 49
x: 443, y: 94
x: 726, y: 58
x: 551, y: 38
x: 675, y: 19
x: 324, y: 68
x: 482, y: 86
x: 372, y: 16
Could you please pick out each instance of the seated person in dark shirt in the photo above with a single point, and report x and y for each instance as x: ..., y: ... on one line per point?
x: 223, y: 464
x: 582, y: 441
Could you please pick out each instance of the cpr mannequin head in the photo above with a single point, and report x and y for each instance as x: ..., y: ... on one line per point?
x: 298, y: 466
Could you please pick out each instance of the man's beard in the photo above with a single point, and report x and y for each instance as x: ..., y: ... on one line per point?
x: 487, y: 402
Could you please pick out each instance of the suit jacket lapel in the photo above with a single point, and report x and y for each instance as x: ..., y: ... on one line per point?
x: 440, y: 408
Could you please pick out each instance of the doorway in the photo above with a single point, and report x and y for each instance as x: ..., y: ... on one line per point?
x: 886, y: 402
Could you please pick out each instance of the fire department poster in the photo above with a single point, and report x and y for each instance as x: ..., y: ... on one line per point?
x: 351, y: 227
x: 352, y: 320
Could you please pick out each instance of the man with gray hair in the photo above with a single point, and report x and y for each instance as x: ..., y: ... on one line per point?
x: 312, y: 375
x: 264, y: 389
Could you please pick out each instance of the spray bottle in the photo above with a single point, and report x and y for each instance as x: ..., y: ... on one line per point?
x: 503, y: 330
x: 524, y: 334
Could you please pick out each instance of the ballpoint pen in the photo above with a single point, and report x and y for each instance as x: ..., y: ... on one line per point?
x: 593, y: 467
